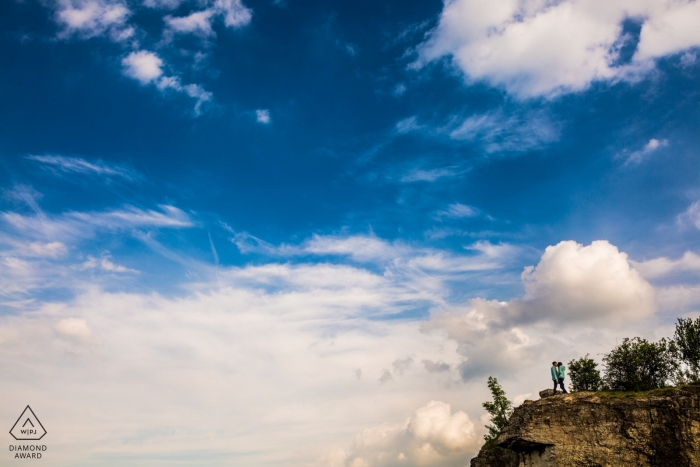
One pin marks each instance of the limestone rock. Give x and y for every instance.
(547, 393)
(587, 429)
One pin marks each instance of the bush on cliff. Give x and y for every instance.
(584, 374)
(639, 365)
(500, 410)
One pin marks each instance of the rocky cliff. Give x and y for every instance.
(655, 428)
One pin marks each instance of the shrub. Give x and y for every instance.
(687, 346)
(584, 374)
(500, 410)
(639, 365)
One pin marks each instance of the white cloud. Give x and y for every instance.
(652, 146)
(235, 13)
(691, 215)
(198, 22)
(432, 437)
(143, 66)
(458, 211)
(430, 175)
(82, 166)
(573, 282)
(74, 328)
(263, 116)
(166, 4)
(90, 18)
(520, 398)
(146, 67)
(105, 264)
(573, 286)
(51, 250)
(498, 132)
(658, 267)
(84, 224)
(541, 48)
(408, 125)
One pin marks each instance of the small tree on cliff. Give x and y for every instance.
(639, 365)
(687, 347)
(584, 374)
(500, 410)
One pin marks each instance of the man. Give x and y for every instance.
(555, 375)
(562, 374)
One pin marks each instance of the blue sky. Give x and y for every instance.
(373, 203)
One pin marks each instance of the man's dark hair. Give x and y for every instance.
(558, 363)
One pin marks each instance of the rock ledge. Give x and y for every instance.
(588, 429)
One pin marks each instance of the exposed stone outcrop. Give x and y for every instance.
(656, 428)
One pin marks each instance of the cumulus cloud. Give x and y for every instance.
(146, 67)
(263, 116)
(198, 22)
(90, 18)
(432, 437)
(234, 13)
(572, 285)
(143, 66)
(573, 282)
(542, 48)
(488, 340)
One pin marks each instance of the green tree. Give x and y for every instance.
(584, 374)
(639, 365)
(687, 346)
(500, 410)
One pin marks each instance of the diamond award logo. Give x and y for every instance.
(28, 427)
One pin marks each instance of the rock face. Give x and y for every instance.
(656, 428)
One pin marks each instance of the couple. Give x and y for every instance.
(558, 373)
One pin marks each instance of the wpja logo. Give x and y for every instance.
(28, 428)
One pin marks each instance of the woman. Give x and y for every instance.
(561, 370)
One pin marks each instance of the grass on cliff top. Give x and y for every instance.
(645, 394)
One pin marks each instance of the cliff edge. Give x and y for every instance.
(599, 429)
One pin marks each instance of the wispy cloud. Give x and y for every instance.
(105, 263)
(430, 175)
(499, 131)
(64, 227)
(638, 156)
(658, 267)
(82, 166)
(457, 211)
